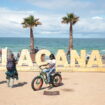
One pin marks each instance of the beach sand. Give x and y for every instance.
(78, 88)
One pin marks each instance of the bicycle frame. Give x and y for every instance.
(43, 75)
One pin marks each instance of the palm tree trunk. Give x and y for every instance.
(31, 40)
(71, 38)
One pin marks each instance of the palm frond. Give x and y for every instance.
(70, 18)
(65, 20)
(75, 20)
(31, 22)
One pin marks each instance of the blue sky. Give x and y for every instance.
(91, 23)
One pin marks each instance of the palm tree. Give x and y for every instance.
(31, 22)
(70, 19)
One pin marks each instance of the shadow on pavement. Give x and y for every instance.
(20, 84)
(68, 90)
(51, 87)
(2, 82)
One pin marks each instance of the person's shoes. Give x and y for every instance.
(50, 86)
(11, 86)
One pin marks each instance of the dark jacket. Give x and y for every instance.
(11, 72)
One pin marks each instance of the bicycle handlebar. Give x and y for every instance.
(40, 67)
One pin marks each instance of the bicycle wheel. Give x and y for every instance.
(37, 83)
(57, 79)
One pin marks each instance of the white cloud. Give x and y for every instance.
(12, 18)
(59, 4)
(97, 18)
(80, 7)
(91, 25)
(10, 23)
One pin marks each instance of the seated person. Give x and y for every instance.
(50, 66)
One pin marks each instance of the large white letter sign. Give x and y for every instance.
(61, 59)
(25, 58)
(95, 59)
(4, 56)
(38, 56)
(80, 59)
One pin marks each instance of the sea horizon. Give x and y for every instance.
(55, 37)
(16, 44)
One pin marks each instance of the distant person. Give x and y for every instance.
(36, 49)
(87, 59)
(18, 56)
(11, 73)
